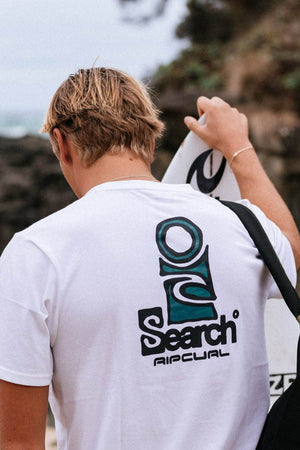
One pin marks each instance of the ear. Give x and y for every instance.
(65, 151)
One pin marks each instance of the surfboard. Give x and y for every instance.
(207, 171)
(204, 168)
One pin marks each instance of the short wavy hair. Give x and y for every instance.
(104, 110)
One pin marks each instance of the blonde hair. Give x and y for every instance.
(102, 110)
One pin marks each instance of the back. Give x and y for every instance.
(151, 298)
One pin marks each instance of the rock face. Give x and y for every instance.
(31, 184)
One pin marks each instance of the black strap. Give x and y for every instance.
(268, 254)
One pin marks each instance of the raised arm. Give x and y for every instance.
(23, 414)
(227, 130)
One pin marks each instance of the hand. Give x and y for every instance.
(226, 129)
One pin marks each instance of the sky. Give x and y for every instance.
(43, 41)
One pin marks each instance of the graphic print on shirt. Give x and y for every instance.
(190, 297)
(186, 298)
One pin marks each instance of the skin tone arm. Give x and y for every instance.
(227, 130)
(23, 414)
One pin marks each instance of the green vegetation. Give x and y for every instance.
(196, 66)
(255, 35)
(257, 39)
(291, 80)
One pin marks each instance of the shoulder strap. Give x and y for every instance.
(268, 254)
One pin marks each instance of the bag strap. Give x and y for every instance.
(268, 254)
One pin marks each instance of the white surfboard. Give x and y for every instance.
(207, 170)
(204, 168)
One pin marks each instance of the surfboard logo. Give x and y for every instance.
(206, 184)
(188, 282)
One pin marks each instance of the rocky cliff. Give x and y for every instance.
(31, 184)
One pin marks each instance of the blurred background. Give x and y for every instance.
(245, 51)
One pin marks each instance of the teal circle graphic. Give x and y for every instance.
(189, 227)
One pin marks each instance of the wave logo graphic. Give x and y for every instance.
(188, 283)
(206, 185)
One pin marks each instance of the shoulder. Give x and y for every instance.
(279, 241)
(39, 242)
(54, 220)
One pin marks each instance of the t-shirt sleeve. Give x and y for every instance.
(26, 282)
(281, 246)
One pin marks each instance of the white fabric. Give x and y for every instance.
(71, 287)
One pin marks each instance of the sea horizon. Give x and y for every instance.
(19, 123)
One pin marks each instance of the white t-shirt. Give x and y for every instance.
(142, 304)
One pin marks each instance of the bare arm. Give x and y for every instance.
(23, 414)
(227, 130)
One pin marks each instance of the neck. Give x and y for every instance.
(112, 167)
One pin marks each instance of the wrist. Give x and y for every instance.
(238, 153)
(246, 165)
(229, 148)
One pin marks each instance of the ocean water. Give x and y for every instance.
(20, 123)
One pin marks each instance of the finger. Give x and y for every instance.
(219, 101)
(194, 126)
(203, 105)
(190, 122)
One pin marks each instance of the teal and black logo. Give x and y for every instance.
(188, 283)
(184, 267)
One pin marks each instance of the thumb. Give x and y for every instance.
(194, 126)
